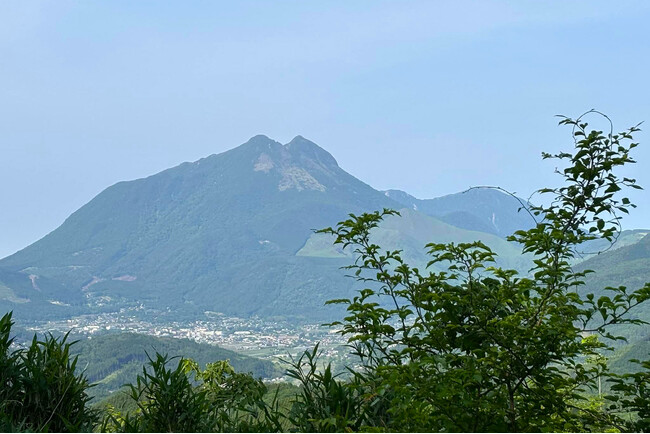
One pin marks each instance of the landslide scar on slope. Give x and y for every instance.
(264, 164)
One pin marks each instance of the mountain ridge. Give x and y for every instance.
(473, 209)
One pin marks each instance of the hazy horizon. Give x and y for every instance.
(431, 98)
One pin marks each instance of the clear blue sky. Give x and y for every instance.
(430, 97)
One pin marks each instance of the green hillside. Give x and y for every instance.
(620, 361)
(31, 296)
(113, 360)
(597, 247)
(626, 266)
(411, 231)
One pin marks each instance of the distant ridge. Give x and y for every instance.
(481, 209)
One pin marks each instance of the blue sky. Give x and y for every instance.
(430, 97)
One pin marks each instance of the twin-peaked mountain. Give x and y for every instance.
(233, 233)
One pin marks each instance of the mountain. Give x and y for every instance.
(231, 233)
(480, 209)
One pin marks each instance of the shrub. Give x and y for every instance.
(41, 390)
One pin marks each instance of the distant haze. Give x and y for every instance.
(426, 97)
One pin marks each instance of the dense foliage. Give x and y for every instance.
(188, 399)
(40, 389)
(480, 348)
(461, 345)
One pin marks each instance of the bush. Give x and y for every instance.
(188, 399)
(41, 390)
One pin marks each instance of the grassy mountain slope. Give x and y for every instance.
(410, 232)
(628, 266)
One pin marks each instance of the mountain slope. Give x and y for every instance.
(226, 233)
(627, 266)
(410, 232)
(480, 209)
(597, 247)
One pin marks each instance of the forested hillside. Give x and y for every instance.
(112, 360)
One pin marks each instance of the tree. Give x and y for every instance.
(480, 348)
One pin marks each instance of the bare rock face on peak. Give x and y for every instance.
(230, 233)
(301, 164)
